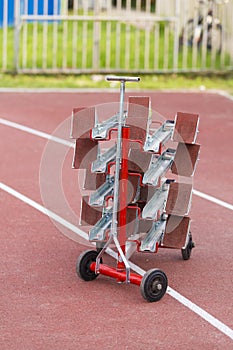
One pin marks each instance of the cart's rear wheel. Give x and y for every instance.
(83, 265)
(153, 285)
(186, 252)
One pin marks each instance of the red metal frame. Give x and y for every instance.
(119, 275)
(123, 190)
(119, 272)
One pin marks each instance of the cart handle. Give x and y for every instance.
(122, 78)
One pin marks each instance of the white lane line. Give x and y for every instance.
(42, 134)
(202, 313)
(213, 199)
(180, 298)
(43, 210)
(71, 144)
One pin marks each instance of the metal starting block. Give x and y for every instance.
(98, 197)
(101, 163)
(156, 203)
(158, 167)
(160, 137)
(151, 242)
(98, 232)
(101, 130)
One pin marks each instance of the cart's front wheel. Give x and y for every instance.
(186, 252)
(83, 265)
(153, 285)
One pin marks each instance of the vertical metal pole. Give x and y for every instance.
(25, 36)
(195, 43)
(118, 160)
(108, 40)
(5, 33)
(65, 40)
(184, 25)
(231, 34)
(35, 35)
(96, 38)
(74, 33)
(55, 36)
(45, 36)
(16, 34)
(147, 48)
(84, 37)
(114, 224)
(176, 37)
(156, 45)
(204, 39)
(166, 46)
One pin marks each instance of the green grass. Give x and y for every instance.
(138, 39)
(154, 82)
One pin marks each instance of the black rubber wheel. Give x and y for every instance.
(186, 252)
(153, 285)
(83, 265)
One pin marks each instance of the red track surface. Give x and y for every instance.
(45, 306)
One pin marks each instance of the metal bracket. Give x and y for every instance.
(100, 164)
(101, 130)
(158, 167)
(98, 197)
(160, 136)
(97, 233)
(154, 236)
(156, 203)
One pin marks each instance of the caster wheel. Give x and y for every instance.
(186, 252)
(83, 265)
(153, 285)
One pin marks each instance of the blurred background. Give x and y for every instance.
(116, 36)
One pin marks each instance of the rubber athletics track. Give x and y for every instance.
(44, 305)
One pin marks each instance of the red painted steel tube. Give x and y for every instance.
(123, 191)
(119, 275)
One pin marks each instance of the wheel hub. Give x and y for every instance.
(156, 286)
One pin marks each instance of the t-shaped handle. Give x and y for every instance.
(122, 79)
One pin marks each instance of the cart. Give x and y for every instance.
(133, 206)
